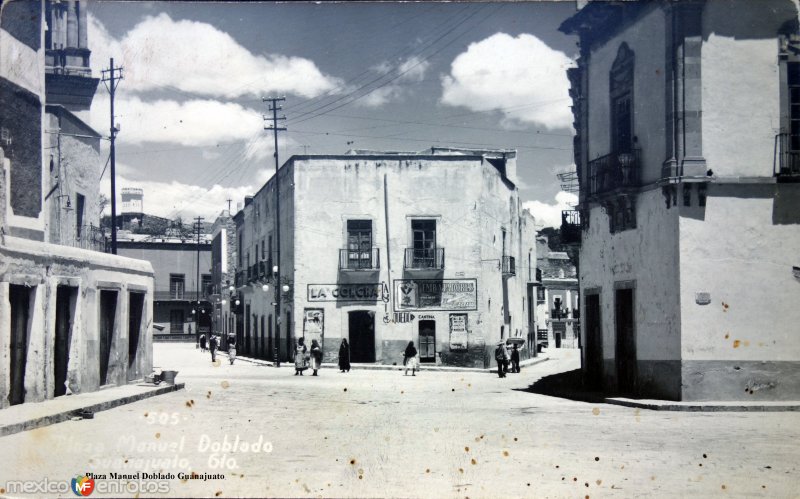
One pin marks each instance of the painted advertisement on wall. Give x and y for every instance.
(313, 325)
(436, 294)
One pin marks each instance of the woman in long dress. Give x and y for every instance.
(410, 359)
(316, 356)
(300, 363)
(344, 356)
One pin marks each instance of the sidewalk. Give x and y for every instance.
(707, 406)
(382, 367)
(25, 417)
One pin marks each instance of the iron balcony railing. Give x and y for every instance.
(424, 259)
(90, 237)
(179, 295)
(570, 226)
(559, 313)
(614, 171)
(362, 259)
(786, 159)
(509, 266)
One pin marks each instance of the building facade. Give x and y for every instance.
(557, 298)
(387, 248)
(689, 201)
(182, 304)
(71, 319)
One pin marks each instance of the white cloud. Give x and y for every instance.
(411, 70)
(198, 58)
(520, 75)
(171, 199)
(550, 214)
(189, 123)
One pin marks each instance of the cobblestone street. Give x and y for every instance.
(378, 433)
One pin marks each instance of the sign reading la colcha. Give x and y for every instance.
(369, 292)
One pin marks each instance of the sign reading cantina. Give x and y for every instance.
(436, 294)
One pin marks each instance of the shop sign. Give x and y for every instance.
(403, 317)
(313, 324)
(458, 331)
(345, 292)
(436, 294)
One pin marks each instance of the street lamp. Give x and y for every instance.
(265, 288)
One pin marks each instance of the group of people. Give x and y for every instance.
(303, 357)
(502, 356)
(212, 344)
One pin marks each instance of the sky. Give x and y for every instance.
(386, 76)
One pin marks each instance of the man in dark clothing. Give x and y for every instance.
(515, 359)
(212, 345)
(501, 356)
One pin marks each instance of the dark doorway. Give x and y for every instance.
(427, 341)
(594, 342)
(247, 326)
(626, 343)
(20, 300)
(135, 313)
(362, 336)
(557, 337)
(263, 340)
(271, 350)
(108, 317)
(289, 343)
(63, 339)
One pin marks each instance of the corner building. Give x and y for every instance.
(386, 248)
(687, 150)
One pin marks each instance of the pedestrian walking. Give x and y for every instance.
(344, 356)
(515, 359)
(231, 347)
(410, 359)
(501, 356)
(316, 357)
(203, 343)
(212, 345)
(300, 359)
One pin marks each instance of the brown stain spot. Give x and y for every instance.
(469, 385)
(598, 482)
(746, 343)
(596, 458)
(360, 477)
(574, 479)
(427, 470)
(219, 492)
(505, 453)
(705, 456)
(596, 411)
(653, 477)
(345, 389)
(736, 343)
(452, 389)
(701, 465)
(126, 461)
(158, 435)
(557, 466)
(725, 307)
(724, 487)
(461, 470)
(586, 484)
(353, 461)
(516, 439)
(225, 384)
(466, 449)
(763, 486)
(146, 414)
(2, 490)
(727, 335)
(474, 461)
(208, 395)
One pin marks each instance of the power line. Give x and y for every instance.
(111, 78)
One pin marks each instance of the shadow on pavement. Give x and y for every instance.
(568, 385)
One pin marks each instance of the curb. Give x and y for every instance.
(707, 407)
(59, 417)
(384, 367)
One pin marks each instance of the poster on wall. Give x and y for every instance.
(458, 331)
(313, 324)
(436, 294)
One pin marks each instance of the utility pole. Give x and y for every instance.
(229, 205)
(199, 221)
(111, 80)
(274, 107)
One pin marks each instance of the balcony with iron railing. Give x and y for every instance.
(614, 171)
(180, 295)
(364, 260)
(509, 266)
(571, 227)
(89, 237)
(424, 259)
(786, 158)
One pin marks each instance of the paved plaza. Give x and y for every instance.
(382, 434)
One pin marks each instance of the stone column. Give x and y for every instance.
(82, 9)
(72, 25)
